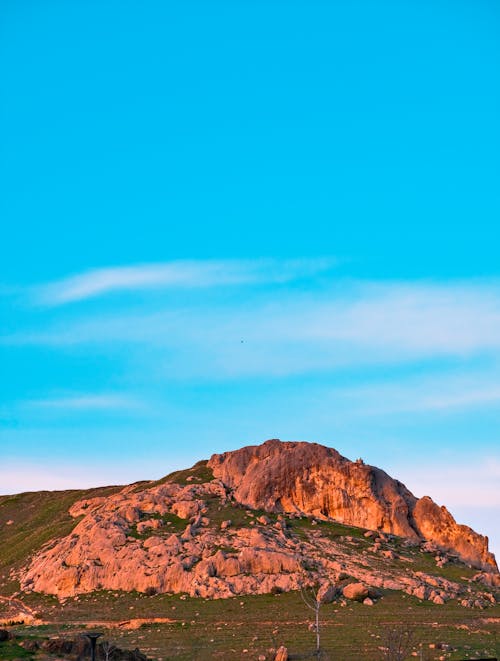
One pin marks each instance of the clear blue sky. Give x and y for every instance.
(229, 221)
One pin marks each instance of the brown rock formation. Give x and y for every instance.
(177, 537)
(310, 478)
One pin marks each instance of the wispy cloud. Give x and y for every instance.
(189, 274)
(87, 402)
(354, 323)
(290, 332)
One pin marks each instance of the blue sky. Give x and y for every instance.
(230, 221)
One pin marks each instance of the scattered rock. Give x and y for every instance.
(150, 524)
(421, 592)
(327, 593)
(186, 509)
(355, 591)
(281, 654)
(490, 579)
(438, 599)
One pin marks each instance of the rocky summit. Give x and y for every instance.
(307, 478)
(262, 519)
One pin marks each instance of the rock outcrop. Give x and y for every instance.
(312, 479)
(198, 533)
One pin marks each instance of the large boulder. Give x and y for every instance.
(355, 591)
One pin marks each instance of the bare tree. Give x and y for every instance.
(108, 650)
(312, 598)
(397, 643)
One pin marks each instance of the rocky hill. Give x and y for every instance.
(263, 519)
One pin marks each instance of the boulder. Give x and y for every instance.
(186, 509)
(281, 654)
(355, 591)
(327, 593)
(489, 579)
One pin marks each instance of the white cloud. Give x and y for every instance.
(291, 333)
(89, 401)
(202, 273)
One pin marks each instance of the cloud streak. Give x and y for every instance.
(178, 274)
(290, 333)
(87, 402)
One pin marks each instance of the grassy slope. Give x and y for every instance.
(37, 517)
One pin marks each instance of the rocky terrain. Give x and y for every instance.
(264, 519)
(312, 479)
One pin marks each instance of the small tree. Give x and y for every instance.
(312, 598)
(397, 643)
(108, 650)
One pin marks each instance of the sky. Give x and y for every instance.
(224, 222)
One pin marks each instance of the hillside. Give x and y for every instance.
(263, 520)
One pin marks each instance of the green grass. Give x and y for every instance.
(330, 529)
(11, 650)
(222, 629)
(197, 474)
(453, 571)
(171, 523)
(237, 514)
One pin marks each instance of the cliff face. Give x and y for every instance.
(312, 479)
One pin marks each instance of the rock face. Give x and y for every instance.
(310, 478)
(198, 533)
